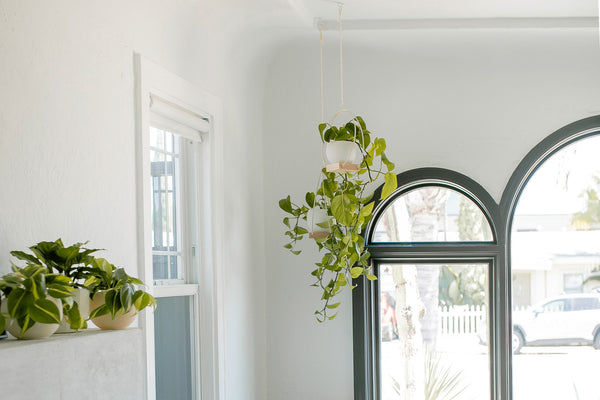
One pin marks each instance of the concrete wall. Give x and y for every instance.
(474, 101)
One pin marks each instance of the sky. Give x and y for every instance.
(556, 187)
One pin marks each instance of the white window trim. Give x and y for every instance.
(152, 79)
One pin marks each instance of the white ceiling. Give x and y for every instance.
(445, 9)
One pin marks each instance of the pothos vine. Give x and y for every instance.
(344, 196)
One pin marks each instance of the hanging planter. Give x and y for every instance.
(353, 163)
(342, 156)
(345, 200)
(319, 223)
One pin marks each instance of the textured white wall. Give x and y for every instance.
(471, 101)
(92, 365)
(67, 138)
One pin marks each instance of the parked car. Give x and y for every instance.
(571, 319)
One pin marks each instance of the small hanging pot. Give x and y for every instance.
(342, 156)
(316, 218)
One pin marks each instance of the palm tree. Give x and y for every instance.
(424, 208)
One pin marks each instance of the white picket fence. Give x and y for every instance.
(460, 320)
(463, 320)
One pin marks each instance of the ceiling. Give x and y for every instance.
(443, 9)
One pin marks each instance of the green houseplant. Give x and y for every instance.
(31, 305)
(343, 194)
(115, 298)
(72, 262)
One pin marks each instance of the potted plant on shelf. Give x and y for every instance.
(72, 262)
(343, 195)
(31, 306)
(115, 300)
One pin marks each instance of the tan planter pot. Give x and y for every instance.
(82, 297)
(106, 322)
(37, 331)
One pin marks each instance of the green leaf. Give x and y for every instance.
(73, 316)
(126, 297)
(59, 291)
(310, 199)
(371, 277)
(343, 207)
(356, 272)
(25, 257)
(286, 222)
(18, 303)
(341, 281)
(321, 129)
(330, 186)
(100, 311)
(286, 205)
(333, 306)
(298, 230)
(2, 323)
(391, 184)
(44, 311)
(296, 252)
(389, 165)
(142, 300)
(25, 323)
(366, 211)
(111, 302)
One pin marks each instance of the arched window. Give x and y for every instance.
(554, 237)
(435, 250)
(490, 298)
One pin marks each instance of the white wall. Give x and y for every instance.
(471, 101)
(67, 138)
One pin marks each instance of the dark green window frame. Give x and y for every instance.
(365, 298)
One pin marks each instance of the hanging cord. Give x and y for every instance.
(321, 61)
(340, 6)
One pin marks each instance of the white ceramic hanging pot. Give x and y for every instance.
(106, 322)
(314, 217)
(342, 152)
(38, 330)
(82, 297)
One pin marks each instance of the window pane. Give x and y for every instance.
(432, 214)
(555, 250)
(173, 342)
(165, 186)
(433, 335)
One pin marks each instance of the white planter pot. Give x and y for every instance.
(82, 297)
(342, 152)
(37, 331)
(106, 322)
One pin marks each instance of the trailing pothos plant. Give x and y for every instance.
(72, 262)
(120, 292)
(28, 292)
(346, 198)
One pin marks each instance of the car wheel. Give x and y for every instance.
(517, 342)
(596, 343)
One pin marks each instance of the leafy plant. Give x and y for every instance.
(27, 292)
(67, 261)
(441, 381)
(119, 289)
(72, 262)
(344, 196)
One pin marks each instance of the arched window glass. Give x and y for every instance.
(423, 326)
(432, 214)
(555, 262)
